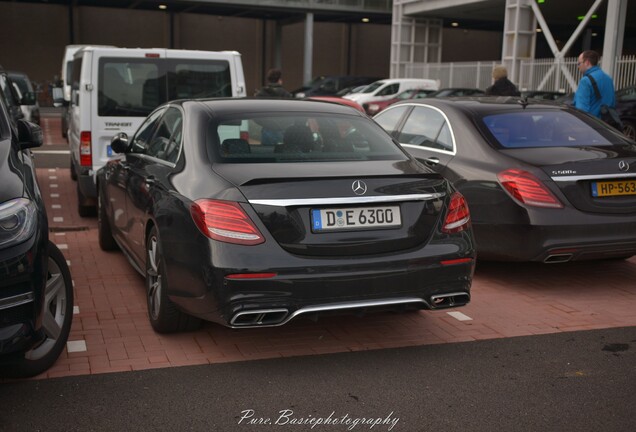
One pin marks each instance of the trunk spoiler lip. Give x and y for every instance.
(346, 200)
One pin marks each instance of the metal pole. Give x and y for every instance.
(309, 47)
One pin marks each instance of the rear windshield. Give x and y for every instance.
(545, 129)
(292, 137)
(135, 87)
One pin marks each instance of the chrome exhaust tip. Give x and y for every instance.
(441, 301)
(262, 317)
(558, 258)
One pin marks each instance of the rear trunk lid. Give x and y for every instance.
(312, 209)
(593, 179)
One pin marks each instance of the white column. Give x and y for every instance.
(614, 33)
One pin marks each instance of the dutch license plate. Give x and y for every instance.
(355, 218)
(614, 188)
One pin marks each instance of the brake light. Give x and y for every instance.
(86, 156)
(152, 55)
(225, 221)
(458, 216)
(528, 189)
(251, 276)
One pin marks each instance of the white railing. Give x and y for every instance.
(537, 74)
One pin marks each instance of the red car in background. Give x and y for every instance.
(338, 100)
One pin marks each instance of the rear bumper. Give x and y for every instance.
(555, 243)
(325, 286)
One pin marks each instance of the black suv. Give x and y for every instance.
(36, 292)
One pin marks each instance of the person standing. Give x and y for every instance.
(586, 97)
(274, 87)
(502, 85)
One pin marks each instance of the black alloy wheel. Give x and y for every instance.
(162, 312)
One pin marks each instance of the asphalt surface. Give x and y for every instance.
(580, 381)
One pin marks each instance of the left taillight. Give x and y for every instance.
(85, 149)
(528, 189)
(458, 216)
(225, 221)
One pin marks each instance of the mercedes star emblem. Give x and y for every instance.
(359, 187)
(623, 166)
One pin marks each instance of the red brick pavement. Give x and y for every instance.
(508, 300)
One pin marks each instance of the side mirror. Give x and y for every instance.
(119, 143)
(58, 96)
(29, 135)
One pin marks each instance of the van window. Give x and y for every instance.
(200, 80)
(76, 73)
(128, 87)
(134, 87)
(389, 90)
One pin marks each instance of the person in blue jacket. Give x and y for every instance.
(585, 97)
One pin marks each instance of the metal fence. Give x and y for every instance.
(537, 74)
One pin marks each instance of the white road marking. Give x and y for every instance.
(55, 195)
(76, 346)
(75, 310)
(62, 246)
(460, 316)
(58, 219)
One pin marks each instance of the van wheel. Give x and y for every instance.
(104, 233)
(57, 318)
(73, 172)
(162, 312)
(83, 209)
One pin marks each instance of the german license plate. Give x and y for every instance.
(614, 188)
(355, 218)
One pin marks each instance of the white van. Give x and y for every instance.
(114, 89)
(389, 88)
(65, 81)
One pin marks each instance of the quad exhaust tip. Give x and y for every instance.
(558, 258)
(279, 316)
(449, 300)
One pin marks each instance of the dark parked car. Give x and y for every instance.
(10, 96)
(543, 95)
(456, 92)
(335, 217)
(331, 85)
(28, 98)
(544, 182)
(626, 108)
(36, 293)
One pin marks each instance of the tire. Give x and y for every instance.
(83, 209)
(162, 312)
(57, 319)
(629, 129)
(73, 172)
(104, 233)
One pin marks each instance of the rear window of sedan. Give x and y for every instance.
(294, 137)
(552, 128)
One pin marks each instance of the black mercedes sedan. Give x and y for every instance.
(544, 183)
(251, 212)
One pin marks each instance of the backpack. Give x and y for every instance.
(608, 114)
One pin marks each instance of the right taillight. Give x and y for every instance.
(528, 189)
(86, 156)
(225, 221)
(458, 216)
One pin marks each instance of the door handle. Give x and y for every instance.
(150, 180)
(431, 161)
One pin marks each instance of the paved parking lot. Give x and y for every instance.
(111, 331)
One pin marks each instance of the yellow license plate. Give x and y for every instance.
(614, 188)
